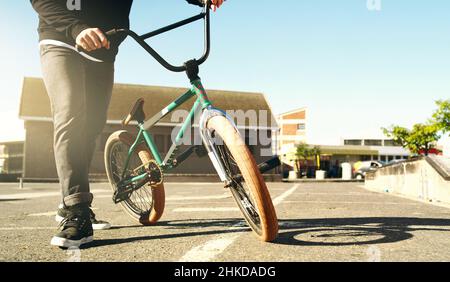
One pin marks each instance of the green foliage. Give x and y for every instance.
(442, 115)
(398, 134)
(315, 151)
(303, 151)
(421, 138)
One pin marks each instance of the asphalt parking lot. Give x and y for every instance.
(318, 222)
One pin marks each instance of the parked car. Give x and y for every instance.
(361, 168)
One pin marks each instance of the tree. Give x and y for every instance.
(315, 151)
(303, 153)
(442, 115)
(421, 138)
(398, 134)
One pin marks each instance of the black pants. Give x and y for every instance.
(79, 91)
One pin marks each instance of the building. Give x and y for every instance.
(11, 157)
(292, 130)
(386, 149)
(351, 150)
(11, 160)
(35, 111)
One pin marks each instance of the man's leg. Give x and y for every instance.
(65, 80)
(64, 76)
(99, 86)
(99, 79)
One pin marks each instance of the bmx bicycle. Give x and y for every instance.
(135, 167)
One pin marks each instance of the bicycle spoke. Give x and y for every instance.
(140, 201)
(245, 200)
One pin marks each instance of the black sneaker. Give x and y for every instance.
(96, 224)
(76, 228)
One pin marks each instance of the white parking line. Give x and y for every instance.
(29, 195)
(278, 200)
(212, 248)
(221, 209)
(53, 213)
(214, 197)
(35, 195)
(25, 228)
(346, 202)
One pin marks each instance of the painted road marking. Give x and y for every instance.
(51, 213)
(214, 197)
(344, 202)
(25, 228)
(35, 195)
(220, 209)
(278, 200)
(212, 248)
(25, 196)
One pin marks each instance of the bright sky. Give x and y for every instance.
(355, 69)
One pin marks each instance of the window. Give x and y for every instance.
(353, 142)
(372, 142)
(389, 143)
(301, 126)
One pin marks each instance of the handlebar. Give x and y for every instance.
(140, 39)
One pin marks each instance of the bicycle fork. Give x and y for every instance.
(217, 162)
(208, 140)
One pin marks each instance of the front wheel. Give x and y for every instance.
(145, 205)
(249, 191)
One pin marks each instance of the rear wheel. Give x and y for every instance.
(145, 205)
(250, 191)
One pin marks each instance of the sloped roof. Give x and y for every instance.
(35, 104)
(303, 109)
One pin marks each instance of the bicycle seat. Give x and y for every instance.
(136, 113)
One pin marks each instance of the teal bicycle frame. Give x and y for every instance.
(144, 136)
(202, 101)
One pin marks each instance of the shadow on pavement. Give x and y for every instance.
(355, 231)
(301, 232)
(174, 225)
(12, 200)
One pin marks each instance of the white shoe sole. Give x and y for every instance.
(102, 226)
(66, 243)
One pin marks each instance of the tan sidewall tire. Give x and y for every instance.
(251, 174)
(158, 193)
